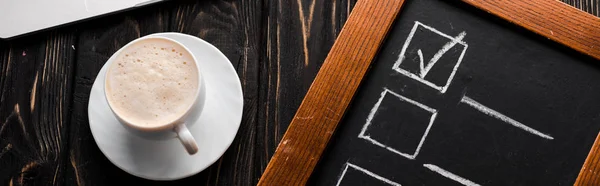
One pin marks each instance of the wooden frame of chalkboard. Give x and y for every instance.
(357, 45)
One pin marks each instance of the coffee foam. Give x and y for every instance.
(152, 82)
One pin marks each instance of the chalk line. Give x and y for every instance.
(438, 32)
(420, 105)
(462, 55)
(402, 98)
(500, 116)
(406, 43)
(441, 52)
(424, 69)
(419, 79)
(367, 172)
(450, 175)
(422, 72)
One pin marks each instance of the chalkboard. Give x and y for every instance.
(450, 63)
(457, 96)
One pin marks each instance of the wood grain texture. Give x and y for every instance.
(232, 26)
(331, 92)
(590, 171)
(285, 75)
(589, 6)
(239, 29)
(236, 29)
(98, 40)
(552, 19)
(34, 91)
(276, 46)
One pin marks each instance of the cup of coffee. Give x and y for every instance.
(154, 87)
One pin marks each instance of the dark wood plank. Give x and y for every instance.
(331, 92)
(232, 26)
(235, 28)
(590, 6)
(4, 54)
(288, 70)
(97, 41)
(552, 19)
(35, 96)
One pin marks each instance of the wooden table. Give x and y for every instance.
(276, 47)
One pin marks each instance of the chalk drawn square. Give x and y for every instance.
(430, 56)
(406, 133)
(355, 175)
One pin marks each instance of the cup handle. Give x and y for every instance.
(186, 138)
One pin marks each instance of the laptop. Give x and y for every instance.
(19, 17)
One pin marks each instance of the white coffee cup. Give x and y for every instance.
(178, 126)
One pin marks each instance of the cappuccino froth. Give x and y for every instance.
(152, 82)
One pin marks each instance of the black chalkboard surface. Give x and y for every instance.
(459, 97)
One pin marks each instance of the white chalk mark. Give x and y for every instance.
(500, 116)
(421, 66)
(402, 98)
(460, 58)
(367, 172)
(425, 69)
(438, 32)
(442, 51)
(450, 175)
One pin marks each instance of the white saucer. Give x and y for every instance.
(167, 159)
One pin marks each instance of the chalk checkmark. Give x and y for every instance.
(425, 69)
